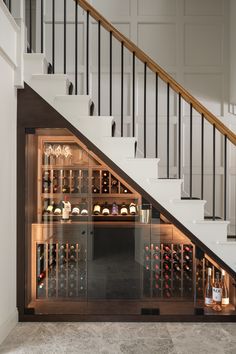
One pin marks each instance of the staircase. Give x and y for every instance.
(147, 172)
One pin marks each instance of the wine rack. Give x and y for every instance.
(168, 270)
(82, 179)
(61, 270)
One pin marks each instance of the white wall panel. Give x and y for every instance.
(203, 7)
(157, 7)
(111, 8)
(159, 41)
(203, 44)
(207, 88)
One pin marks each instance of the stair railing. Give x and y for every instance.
(212, 174)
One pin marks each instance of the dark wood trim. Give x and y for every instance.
(34, 112)
(126, 318)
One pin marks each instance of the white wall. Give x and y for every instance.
(10, 78)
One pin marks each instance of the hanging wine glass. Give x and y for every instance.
(48, 152)
(57, 151)
(66, 152)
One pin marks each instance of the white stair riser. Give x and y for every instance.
(34, 64)
(93, 128)
(164, 190)
(73, 106)
(210, 232)
(186, 210)
(141, 169)
(49, 86)
(117, 148)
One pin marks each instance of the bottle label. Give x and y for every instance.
(208, 301)
(225, 301)
(132, 209)
(97, 209)
(217, 294)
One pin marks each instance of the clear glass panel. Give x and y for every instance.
(95, 246)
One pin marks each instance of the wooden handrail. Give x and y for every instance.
(153, 66)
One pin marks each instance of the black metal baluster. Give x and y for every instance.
(214, 174)
(191, 153)
(87, 54)
(99, 68)
(64, 36)
(76, 48)
(110, 73)
(42, 25)
(122, 88)
(156, 117)
(225, 177)
(53, 36)
(133, 101)
(179, 133)
(145, 111)
(10, 5)
(168, 131)
(30, 25)
(202, 157)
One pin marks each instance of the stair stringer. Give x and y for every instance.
(199, 231)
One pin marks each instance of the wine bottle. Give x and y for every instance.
(97, 209)
(84, 208)
(115, 209)
(208, 289)
(95, 190)
(166, 276)
(156, 256)
(166, 266)
(50, 207)
(167, 248)
(105, 181)
(217, 293)
(66, 209)
(132, 208)
(186, 267)
(105, 210)
(156, 266)
(177, 267)
(123, 210)
(114, 182)
(105, 190)
(186, 257)
(176, 257)
(166, 257)
(187, 249)
(225, 292)
(105, 174)
(46, 182)
(75, 211)
(156, 248)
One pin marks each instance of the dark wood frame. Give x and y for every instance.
(34, 112)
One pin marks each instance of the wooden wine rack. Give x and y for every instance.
(82, 175)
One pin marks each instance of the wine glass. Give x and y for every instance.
(66, 152)
(57, 151)
(48, 151)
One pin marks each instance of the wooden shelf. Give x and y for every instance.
(90, 195)
(99, 218)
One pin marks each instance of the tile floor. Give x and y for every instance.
(130, 338)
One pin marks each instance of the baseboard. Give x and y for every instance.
(8, 325)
